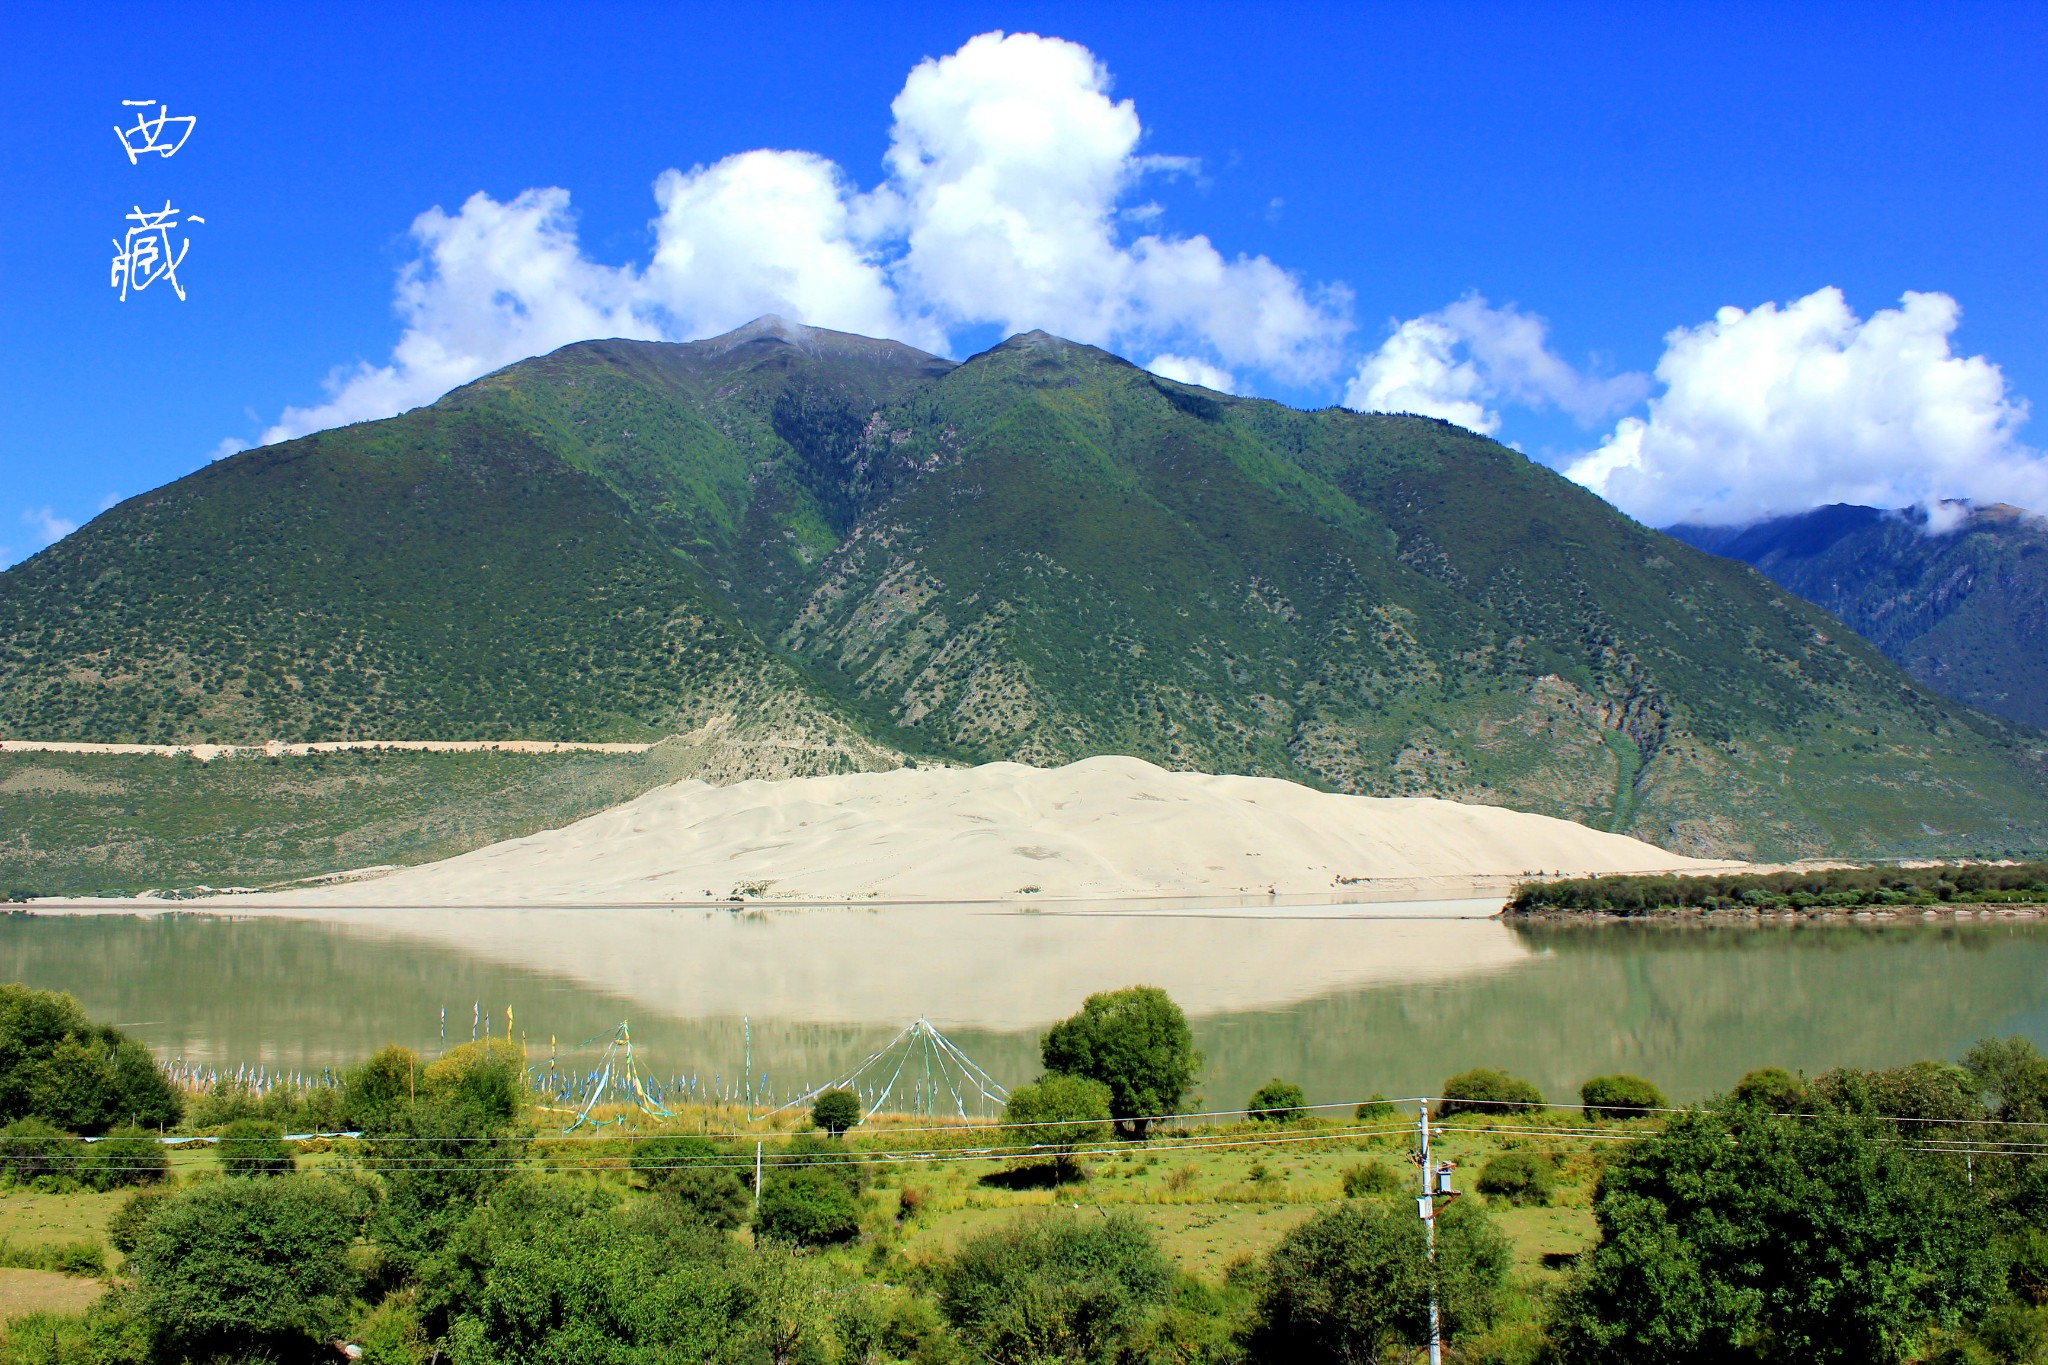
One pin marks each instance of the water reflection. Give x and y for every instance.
(1344, 1004)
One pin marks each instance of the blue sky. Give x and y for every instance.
(1502, 214)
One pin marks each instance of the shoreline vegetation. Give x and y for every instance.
(1894, 1216)
(2016, 890)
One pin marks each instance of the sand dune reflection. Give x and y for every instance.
(959, 966)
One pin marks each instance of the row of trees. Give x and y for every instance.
(1846, 888)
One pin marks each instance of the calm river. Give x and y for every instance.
(1345, 1000)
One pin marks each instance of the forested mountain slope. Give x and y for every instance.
(1042, 553)
(1964, 610)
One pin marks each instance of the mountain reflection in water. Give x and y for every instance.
(1346, 1000)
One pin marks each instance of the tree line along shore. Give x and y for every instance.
(2014, 887)
(1895, 1215)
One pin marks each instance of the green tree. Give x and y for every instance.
(704, 1182)
(1619, 1097)
(1055, 1289)
(1771, 1088)
(2010, 1079)
(835, 1111)
(807, 1206)
(126, 1156)
(1352, 1285)
(248, 1268)
(31, 1149)
(551, 1272)
(1055, 1116)
(1486, 1090)
(1277, 1101)
(1738, 1233)
(57, 1065)
(1137, 1042)
(124, 1229)
(255, 1147)
(1516, 1178)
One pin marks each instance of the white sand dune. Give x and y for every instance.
(1102, 828)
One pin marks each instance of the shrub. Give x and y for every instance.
(127, 1156)
(255, 1147)
(58, 1066)
(1354, 1283)
(1055, 1116)
(1055, 1288)
(31, 1150)
(85, 1258)
(1516, 1178)
(1277, 1101)
(1734, 1226)
(808, 1207)
(1773, 1089)
(703, 1182)
(1137, 1042)
(1485, 1090)
(1378, 1107)
(124, 1229)
(1619, 1097)
(1372, 1180)
(835, 1111)
(246, 1268)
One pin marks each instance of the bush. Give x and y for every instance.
(47, 1339)
(1772, 1089)
(58, 1066)
(1516, 1178)
(84, 1258)
(1277, 1101)
(255, 1147)
(1137, 1042)
(1372, 1180)
(809, 1208)
(1354, 1283)
(1619, 1097)
(835, 1111)
(1823, 1237)
(248, 1268)
(703, 1182)
(1055, 1288)
(32, 1150)
(124, 1229)
(127, 1156)
(1485, 1090)
(1378, 1107)
(552, 1270)
(1056, 1115)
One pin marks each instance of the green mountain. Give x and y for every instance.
(1039, 554)
(1963, 609)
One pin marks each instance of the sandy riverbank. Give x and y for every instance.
(1104, 828)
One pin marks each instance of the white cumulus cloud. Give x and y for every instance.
(1007, 199)
(1462, 362)
(1190, 370)
(1776, 410)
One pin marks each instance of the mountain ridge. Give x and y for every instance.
(1040, 553)
(1962, 607)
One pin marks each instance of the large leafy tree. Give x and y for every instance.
(1137, 1042)
(57, 1065)
(1054, 1116)
(1056, 1289)
(1742, 1234)
(248, 1269)
(1352, 1285)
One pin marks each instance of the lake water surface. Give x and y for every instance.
(1347, 1000)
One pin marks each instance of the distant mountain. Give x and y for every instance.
(1963, 608)
(1042, 553)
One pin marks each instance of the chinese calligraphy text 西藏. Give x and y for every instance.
(147, 136)
(145, 255)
